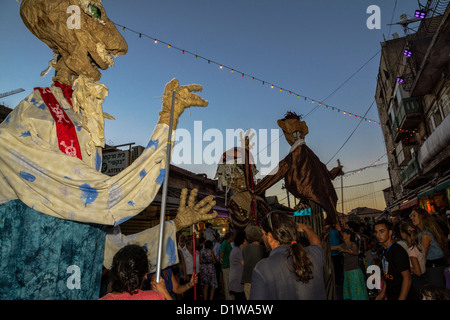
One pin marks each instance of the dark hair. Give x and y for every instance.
(435, 292)
(351, 233)
(239, 238)
(387, 223)
(292, 115)
(208, 244)
(253, 233)
(284, 230)
(129, 266)
(228, 236)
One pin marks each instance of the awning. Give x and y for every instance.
(221, 212)
(409, 204)
(439, 187)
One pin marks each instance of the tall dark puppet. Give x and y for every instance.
(308, 180)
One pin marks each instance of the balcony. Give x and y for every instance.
(407, 117)
(409, 113)
(410, 171)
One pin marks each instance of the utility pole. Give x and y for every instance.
(342, 188)
(287, 194)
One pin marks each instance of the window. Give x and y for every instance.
(437, 116)
(445, 103)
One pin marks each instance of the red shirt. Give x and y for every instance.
(139, 295)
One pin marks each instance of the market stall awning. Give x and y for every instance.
(409, 204)
(439, 187)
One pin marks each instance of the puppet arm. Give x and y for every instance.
(35, 171)
(276, 175)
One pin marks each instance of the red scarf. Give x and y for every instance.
(65, 129)
(67, 91)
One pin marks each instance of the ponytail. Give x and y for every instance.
(284, 230)
(302, 263)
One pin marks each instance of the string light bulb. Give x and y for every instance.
(406, 52)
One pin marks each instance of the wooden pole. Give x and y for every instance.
(164, 193)
(194, 272)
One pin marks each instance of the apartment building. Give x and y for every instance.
(413, 100)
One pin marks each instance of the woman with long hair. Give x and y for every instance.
(291, 271)
(128, 272)
(416, 253)
(354, 282)
(434, 243)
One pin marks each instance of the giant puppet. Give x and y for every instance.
(304, 175)
(55, 205)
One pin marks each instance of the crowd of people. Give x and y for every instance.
(269, 262)
(411, 252)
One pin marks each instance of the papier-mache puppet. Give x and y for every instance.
(55, 205)
(308, 180)
(236, 171)
(305, 176)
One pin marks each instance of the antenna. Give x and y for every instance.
(404, 22)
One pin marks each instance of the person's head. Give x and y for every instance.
(280, 229)
(182, 240)
(383, 232)
(432, 292)
(228, 236)
(239, 238)
(348, 235)
(426, 222)
(190, 245)
(208, 225)
(208, 244)
(253, 234)
(129, 267)
(419, 217)
(409, 233)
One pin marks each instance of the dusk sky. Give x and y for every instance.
(312, 52)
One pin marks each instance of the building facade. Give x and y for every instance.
(413, 100)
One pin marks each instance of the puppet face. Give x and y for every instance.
(79, 31)
(293, 129)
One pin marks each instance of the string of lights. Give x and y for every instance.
(242, 74)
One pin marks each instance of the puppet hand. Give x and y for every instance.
(193, 213)
(183, 99)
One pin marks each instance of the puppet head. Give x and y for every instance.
(80, 48)
(293, 128)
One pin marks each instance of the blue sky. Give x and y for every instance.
(308, 47)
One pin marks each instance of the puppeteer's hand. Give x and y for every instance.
(184, 98)
(193, 213)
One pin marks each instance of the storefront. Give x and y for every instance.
(436, 199)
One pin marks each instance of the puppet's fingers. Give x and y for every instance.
(208, 216)
(171, 86)
(183, 198)
(192, 87)
(205, 201)
(195, 100)
(205, 206)
(192, 196)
